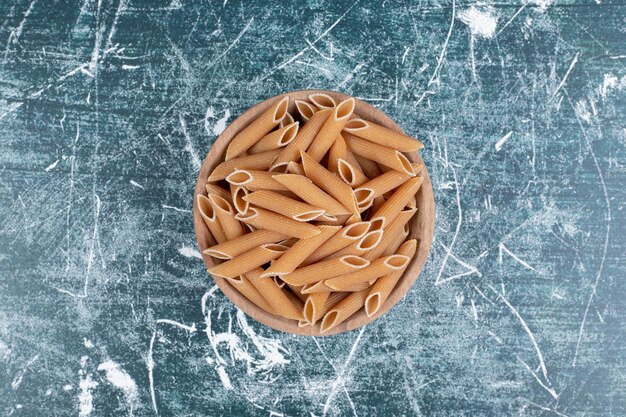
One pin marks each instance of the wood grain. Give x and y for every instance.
(421, 226)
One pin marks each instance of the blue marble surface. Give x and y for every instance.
(107, 108)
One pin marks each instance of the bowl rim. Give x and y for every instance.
(422, 225)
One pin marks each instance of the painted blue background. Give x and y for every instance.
(107, 108)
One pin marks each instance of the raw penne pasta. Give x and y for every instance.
(259, 161)
(326, 136)
(289, 242)
(281, 303)
(383, 286)
(207, 212)
(412, 203)
(286, 206)
(337, 151)
(226, 216)
(322, 101)
(325, 269)
(347, 235)
(231, 248)
(303, 139)
(333, 299)
(380, 185)
(297, 290)
(352, 159)
(328, 182)
(239, 202)
(391, 232)
(248, 261)
(255, 180)
(378, 268)
(376, 204)
(276, 139)
(257, 129)
(264, 219)
(403, 194)
(302, 249)
(287, 120)
(343, 310)
(363, 245)
(216, 189)
(378, 153)
(322, 287)
(306, 109)
(370, 168)
(245, 287)
(304, 188)
(279, 282)
(383, 136)
(313, 306)
(295, 168)
(350, 175)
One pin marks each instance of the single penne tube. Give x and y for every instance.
(330, 183)
(394, 205)
(289, 242)
(412, 203)
(255, 180)
(326, 136)
(276, 139)
(286, 206)
(392, 232)
(364, 206)
(207, 212)
(295, 168)
(349, 174)
(316, 287)
(297, 290)
(363, 245)
(337, 151)
(303, 139)
(325, 269)
(314, 305)
(369, 167)
(343, 310)
(378, 153)
(245, 287)
(264, 219)
(305, 189)
(259, 161)
(262, 125)
(377, 203)
(322, 100)
(383, 286)
(226, 216)
(376, 269)
(380, 185)
(381, 135)
(332, 220)
(239, 202)
(352, 160)
(376, 224)
(333, 299)
(302, 249)
(303, 323)
(347, 235)
(279, 282)
(247, 261)
(231, 248)
(281, 303)
(287, 120)
(306, 109)
(216, 189)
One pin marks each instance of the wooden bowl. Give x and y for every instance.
(422, 225)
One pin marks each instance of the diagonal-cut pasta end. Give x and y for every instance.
(346, 172)
(396, 262)
(309, 311)
(295, 168)
(406, 164)
(354, 262)
(355, 230)
(372, 304)
(205, 207)
(303, 323)
(313, 288)
(289, 134)
(306, 109)
(279, 282)
(219, 203)
(216, 254)
(275, 247)
(328, 217)
(344, 110)
(281, 109)
(308, 216)
(323, 101)
(235, 280)
(239, 177)
(286, 121)
(248, 215)
(370, 240)
(363, 195)
(279, 168)
(239, 200)
(377, 223)
(355, 125)
(329, 321)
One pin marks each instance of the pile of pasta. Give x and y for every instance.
(310, 217)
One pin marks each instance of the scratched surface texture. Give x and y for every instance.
(107, 108)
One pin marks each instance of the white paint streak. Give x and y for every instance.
(20, 375)
(220, 125)
(502, 140)
(569, 70)
(224, 377)
(188, 252)
(51, 166)
(136, 184)
(165, 206)
(120, 379)
(503, 248)
(195, 159)
(481, 22)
